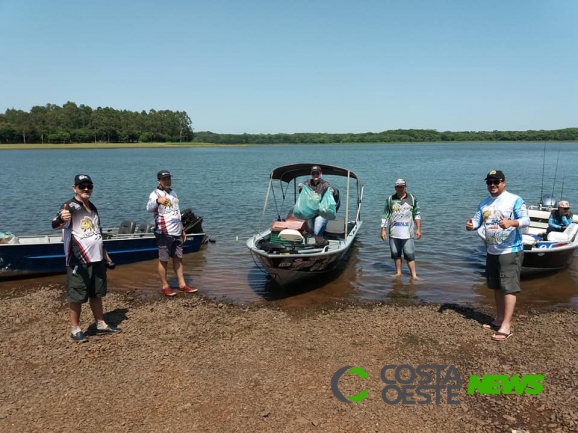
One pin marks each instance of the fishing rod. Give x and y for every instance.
(562, 190)
(555, 173)
(543, 169)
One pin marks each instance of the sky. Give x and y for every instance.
(266, 66)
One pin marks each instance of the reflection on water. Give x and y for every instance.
(225, 271)
(450, 261)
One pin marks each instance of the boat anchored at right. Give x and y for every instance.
(546, 253)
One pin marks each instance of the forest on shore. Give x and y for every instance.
(72, 123)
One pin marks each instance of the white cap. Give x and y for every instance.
(400, 182)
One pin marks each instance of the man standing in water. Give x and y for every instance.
(163, 201)
(503, 215)
(400, 213)
(86, 258)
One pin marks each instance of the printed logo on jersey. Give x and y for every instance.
(89, 229)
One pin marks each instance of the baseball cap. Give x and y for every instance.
(495, 174)
(163, 173)
(563, 203)
(400, 182)
(315, 168)
(79, 178)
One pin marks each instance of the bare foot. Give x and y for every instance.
(396, 276)
(415, 277)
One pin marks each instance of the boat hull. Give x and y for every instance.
(548, 260)
(290, 269)
(287, 268)
(29, 259)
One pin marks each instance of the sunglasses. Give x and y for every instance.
(493, 182)
(315, 173)
(564, 208)
(88, 186)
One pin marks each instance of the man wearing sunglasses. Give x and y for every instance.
(503, 214)
(560, 218)
(86, 258)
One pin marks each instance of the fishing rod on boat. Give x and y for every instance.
(543, 170)
(562, 190)
(555, 173)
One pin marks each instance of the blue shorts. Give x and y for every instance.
(318, 225)
(397, 246)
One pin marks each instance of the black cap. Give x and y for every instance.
(495, 174)
(315, 168)
(79, 178)
(163, 173)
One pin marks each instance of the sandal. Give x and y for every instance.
(501, 336)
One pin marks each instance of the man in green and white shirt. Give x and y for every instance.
(402, 220)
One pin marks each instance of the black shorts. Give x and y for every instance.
(503, 272)
(86, 281)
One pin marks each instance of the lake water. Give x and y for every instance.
(227, 187)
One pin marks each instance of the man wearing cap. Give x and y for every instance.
(560, 218)
(320, 186)
(86, 258)
(163, 201)
(502, 214)
(402, 219)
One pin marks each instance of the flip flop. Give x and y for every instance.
(501, 336)
(493, 326)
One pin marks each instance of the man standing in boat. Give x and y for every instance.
(400, 214)
(171, 236)
(320, 186)
(86, 258)
(503, 214)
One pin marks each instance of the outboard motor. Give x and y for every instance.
(547, 202)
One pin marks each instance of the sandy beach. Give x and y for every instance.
(193, 364)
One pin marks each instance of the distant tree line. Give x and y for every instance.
(82, 124)
(392, 136)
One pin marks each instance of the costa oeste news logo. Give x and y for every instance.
(429, 383)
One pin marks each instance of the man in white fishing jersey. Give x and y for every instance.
(163, 201)
(503, 215)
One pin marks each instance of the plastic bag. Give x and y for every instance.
(327, 206)
(307, 204)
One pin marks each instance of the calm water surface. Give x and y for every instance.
(227, 187)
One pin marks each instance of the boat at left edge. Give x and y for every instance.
(30, 256)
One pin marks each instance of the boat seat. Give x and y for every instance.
(566, 236)
(572, 231)
(290, 223)
(535, 231)
(143, 228)
(538, 225)
(529, 240)
(291, 235)
(336, 227)
(127, 227)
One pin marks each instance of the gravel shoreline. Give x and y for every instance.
(193, 364)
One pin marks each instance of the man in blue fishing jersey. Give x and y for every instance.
(503, 214)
